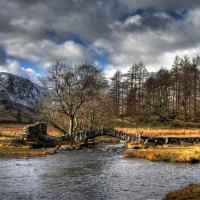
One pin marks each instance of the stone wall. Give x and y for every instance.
(34, 132)
(171, 140)
(83, 137)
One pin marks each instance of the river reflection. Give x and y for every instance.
(92, 175)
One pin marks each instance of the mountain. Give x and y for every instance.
(18, 97)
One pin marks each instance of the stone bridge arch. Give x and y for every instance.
(84, 137)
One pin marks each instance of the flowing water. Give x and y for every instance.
(84, 174)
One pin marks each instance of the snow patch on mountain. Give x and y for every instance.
(19, 90)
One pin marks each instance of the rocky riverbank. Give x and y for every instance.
(167, 153)
(14, 146)
(189, 192)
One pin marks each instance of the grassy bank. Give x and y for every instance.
(16, 129)
(14, 146)
(191, 192)
(13, 151)
(11, 129)
(158, 132)
(190, 154)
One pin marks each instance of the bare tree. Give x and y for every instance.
(195, 65)
(135, 96)
(67, 89)
(158, 93)
(115, 92)
(97, 113)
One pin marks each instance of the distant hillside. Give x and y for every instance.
(19, 98)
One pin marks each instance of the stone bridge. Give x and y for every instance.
(84, 137)
(38, 133)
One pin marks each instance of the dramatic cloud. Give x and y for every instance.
(114, 33)
(178, 5)
(13, 67)
(2, 56)
(142, 38)
(47, 51)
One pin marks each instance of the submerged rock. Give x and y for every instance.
(65, 147)
(186, 144)
(108, 149)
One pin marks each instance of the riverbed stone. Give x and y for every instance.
(108, 149)
(65, 147)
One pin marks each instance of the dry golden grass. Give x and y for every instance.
(135, 145)
(191, 192)
(162, 132)
(16, 129)
(182, 154)
(6, 138)
(10, 151)
(11, 129)
(13, 146)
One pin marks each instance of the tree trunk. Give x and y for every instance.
(195, 93)
(71, 124)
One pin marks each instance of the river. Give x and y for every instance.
(91, 175)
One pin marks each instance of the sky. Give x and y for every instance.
(113, 34)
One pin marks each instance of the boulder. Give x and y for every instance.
(65, 147)
(108, 149)
(135, 145)
(149, 144)
(186, 144)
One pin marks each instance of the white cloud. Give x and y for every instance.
(111, 69)
(13, 67)
(136, 19)
(154, 47)
(103, 46)
(46, 52)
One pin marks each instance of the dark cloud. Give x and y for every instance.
(43, 30)
(156, 22)
(152, 22)
(2, 56)
(87, 19)
(159, 4)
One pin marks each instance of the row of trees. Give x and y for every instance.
(80, 97)
(167, 94)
